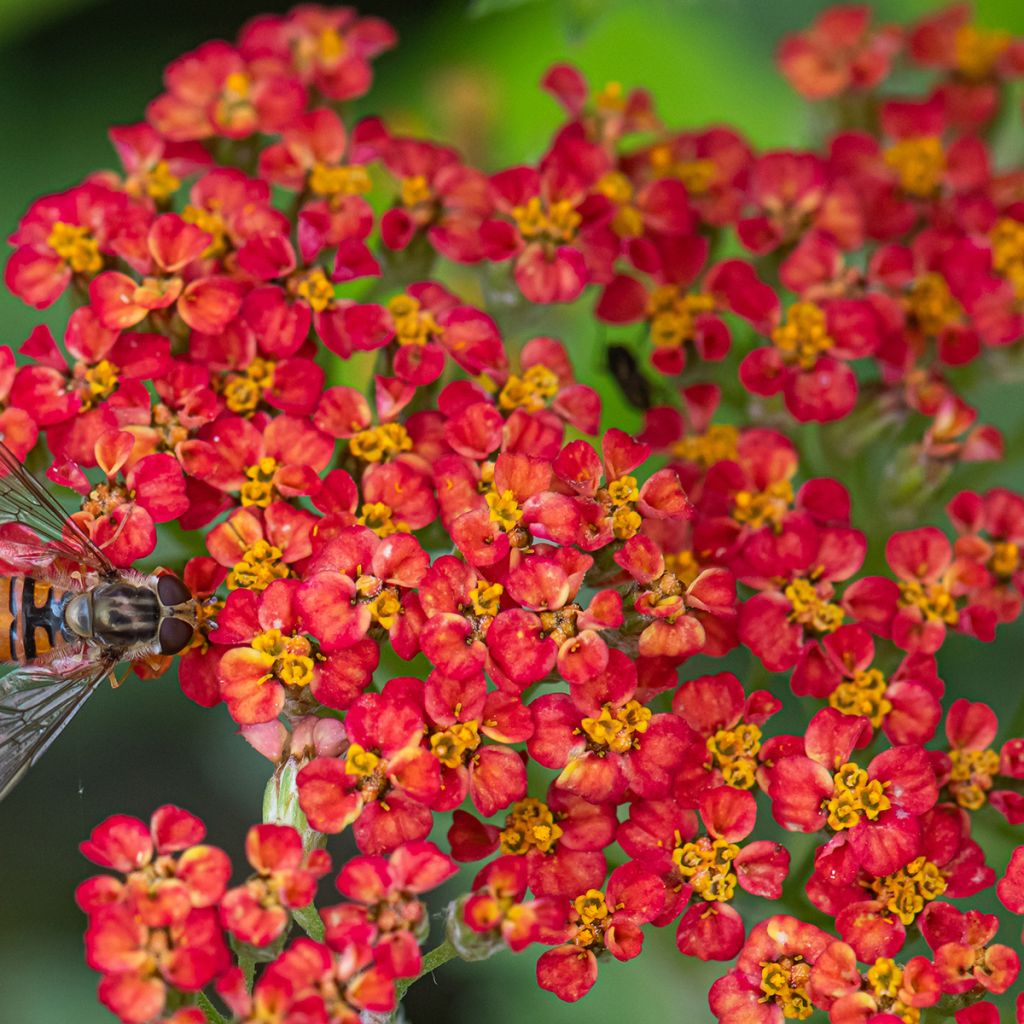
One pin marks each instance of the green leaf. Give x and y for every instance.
(212, 1016)
(309, 921)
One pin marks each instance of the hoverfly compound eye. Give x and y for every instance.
(172, 591)
(175, 635)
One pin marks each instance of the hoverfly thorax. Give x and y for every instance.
(65, 629)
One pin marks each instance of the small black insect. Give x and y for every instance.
(635, 387)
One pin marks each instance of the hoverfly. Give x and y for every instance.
(68, 616)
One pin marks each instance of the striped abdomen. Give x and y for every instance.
(31, 618)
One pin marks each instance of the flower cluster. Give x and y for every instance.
(451, 499)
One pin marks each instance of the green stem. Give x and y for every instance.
(437, 957)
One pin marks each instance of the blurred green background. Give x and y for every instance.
(71, 68)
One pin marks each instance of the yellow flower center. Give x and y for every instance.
(386, 607)
(623, 491)
(378, 444)
(414, 325)
(735, 752)
(486, 598)
(763, 508)
(213, 224)
(810, 609)
(627, 221)
(505, 510)
(348, 180)
(258, 490)
(258, 567)
(452, 745)
(557, 222)
(316, 290)
(158, 183)
(934, 600)
(76, 247)
(378, 517)
(101, 380)
(244, 392)
(1005, 560)
(1008, 252)
(977, 50)
(919, 163)
(864, 695)
(618, 731)
(784, 982)
(330, 46)
(905, 892)
(529, 825)
(626, 523)
(854, 794)
(716, 444)
(532, 391)
(683, 565)
(237, 85)
(673, 313)
(804, 336)
(610, 98)
(415, 190)
(698, 176)
(288, 658)
(360, 761)
(932, 304)
(706, 864)
(971, 776)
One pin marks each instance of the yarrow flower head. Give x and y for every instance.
(460, 565)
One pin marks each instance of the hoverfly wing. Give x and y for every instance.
(24, 501)
(36, 703)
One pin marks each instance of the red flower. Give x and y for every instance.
(730, 724)
(497, 907)
(935, 590)
(561, 840)
(906, 706)
(884, 992)
(385, 783)
(965, 956)
(770, 980)
(356, 582)
(873, 913)
(839, 53)
(285, 876)
(283, 460)
(259, 548)
(686, 619)
(991, 533)
(310, 981)
(386, 906)
(330, 48)
(557, 250)
(139, 963)
(159, 889)
(977, 62)
(459, 715)
(603, 740)
(438, 196)
(608, 921)
(879, 807)
(215, 91)
(64, 237)
(681, 314)
(807, 362)
(280, 661)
